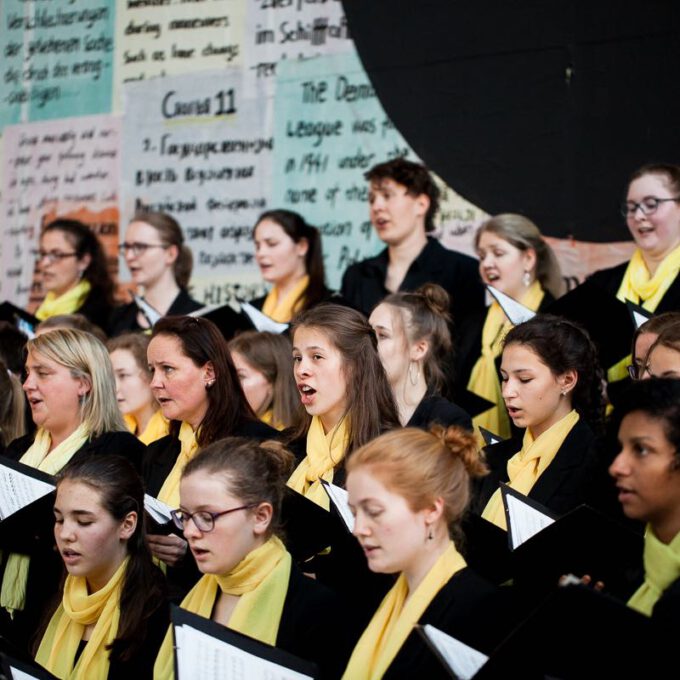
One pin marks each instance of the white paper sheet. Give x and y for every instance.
(203, 657)
(339, 497)
(18, 490)
(524, 521)
(515, 311)
(261, 321)
(21, 675)
(157, 509)
(463, 660)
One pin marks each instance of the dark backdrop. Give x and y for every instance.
(541, 107)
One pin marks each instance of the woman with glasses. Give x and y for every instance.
(133, 387)
(515, 259)
(194, 380)
(71, 392)
(663, 357)
(650, 278)
(112, 612)
(230, 499)
(73, 272)
(160, 264)
(644, 337)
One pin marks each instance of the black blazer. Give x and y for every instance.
(46, 566)
(363, 284)
(317, 624)
(470, 609)
(435, 409)
(96, 310)
(124, 318)
(574, 476)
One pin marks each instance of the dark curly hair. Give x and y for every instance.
(563, 345)
(415, 177)
(658, 398)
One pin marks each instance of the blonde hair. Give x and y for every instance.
(86, 358)
(12, 407)
(523, 234)
(423, 466)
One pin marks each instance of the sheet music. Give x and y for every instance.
(639, 319)
(340, 499)
(463, 660)
(515, 311)
(152, 315)
(261, 321)
(203, 657)
(157, 509)
(524, 521)
(18, 490)
(22, 675)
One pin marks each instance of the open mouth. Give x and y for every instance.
(306, 394)
(199, 553)
(70, 556)
(513, 412)
(491, 276)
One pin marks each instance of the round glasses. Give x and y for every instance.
(52, 256)
(204, 520)
(648, 205)
(137, 249)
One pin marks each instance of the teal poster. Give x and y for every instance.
(57, 58)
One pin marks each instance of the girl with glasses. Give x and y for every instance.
(112, 612)
(135, 399)
(644, 337)
(229, 509)
(160, 264)
(73, 272)
(71, 392)
(663, 357)
(195, 382)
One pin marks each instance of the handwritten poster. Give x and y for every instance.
(57, 58)
(329, 129)
(194, 146)
(292, 29)
(180, 37)
(68, 168)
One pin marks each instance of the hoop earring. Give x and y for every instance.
(412, 380)
(526, 279)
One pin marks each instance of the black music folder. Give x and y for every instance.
(205, 650)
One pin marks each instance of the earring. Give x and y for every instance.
(209, 384)
(430, 535)
(526, 279)
(563, 393)
(412, 380)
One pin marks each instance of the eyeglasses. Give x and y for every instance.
(204, 520)
(52, 255)
(137, 249)
(648, 205)
(633, 371)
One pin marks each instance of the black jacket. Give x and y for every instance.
(96, 310)
(575, 475)
(124, 318)
(363, 284)
(468, 608)
(46, 567)
(436, 409)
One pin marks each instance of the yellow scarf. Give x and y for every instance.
(157, 427)
(525, 467)
(261, 579)
(169, 492)
(324, 452)
(67, 303)
(638, 287)
(394, 620)
(268, 417)
(13, 592)
(662, 567)
(283, 310)
(64, 633)
(484, 377)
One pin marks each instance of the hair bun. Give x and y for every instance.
(281, 458)
(462, 445)
(436, 298)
